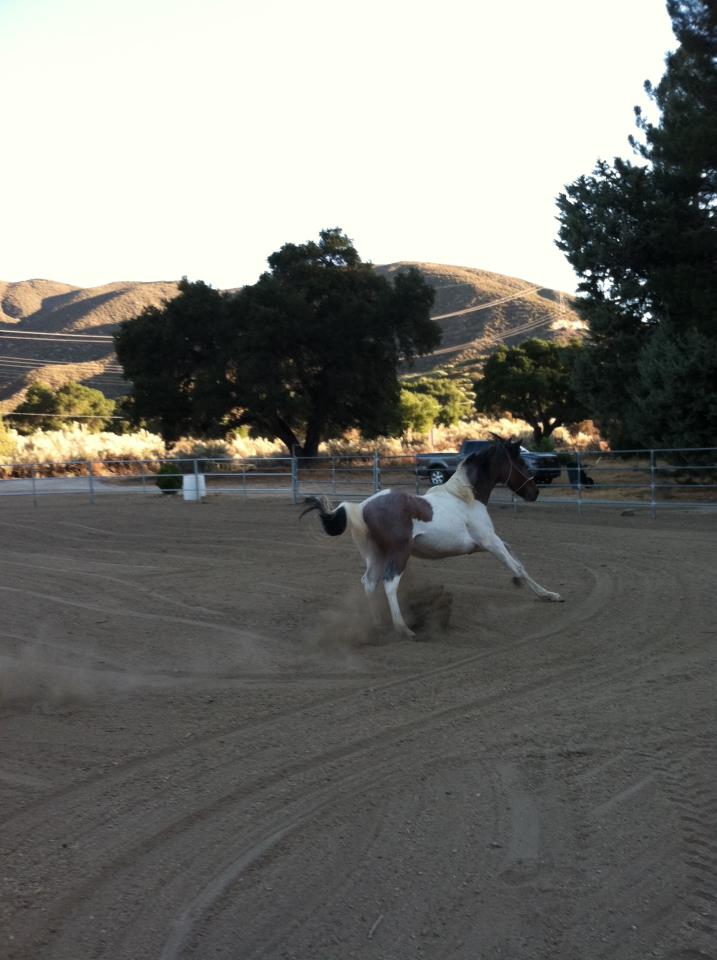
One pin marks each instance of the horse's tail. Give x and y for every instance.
(333, 521)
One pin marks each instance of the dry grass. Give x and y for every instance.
(58, 447)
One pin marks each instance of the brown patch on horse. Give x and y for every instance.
(389, 520)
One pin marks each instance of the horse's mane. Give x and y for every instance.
(484, 456)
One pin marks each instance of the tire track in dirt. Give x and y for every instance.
(463, 713)
(218, 809)
(116, 781)
(150, 826)
(690, 785)
(132, 586)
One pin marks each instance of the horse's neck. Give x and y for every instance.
(460, 487)
(457, 486)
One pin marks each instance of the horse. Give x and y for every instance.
(450, 520)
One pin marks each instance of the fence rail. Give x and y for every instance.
(647, 479)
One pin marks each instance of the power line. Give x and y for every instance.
(50, 336)
(66, 416)
(495, 338)
(487, 306)
(5, 358)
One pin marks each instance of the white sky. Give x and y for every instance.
(149, 139)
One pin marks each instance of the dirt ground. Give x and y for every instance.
(205, 752)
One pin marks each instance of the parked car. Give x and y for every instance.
(438, 467)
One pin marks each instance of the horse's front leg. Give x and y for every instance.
(493, 544)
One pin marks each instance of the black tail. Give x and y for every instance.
(333, 521)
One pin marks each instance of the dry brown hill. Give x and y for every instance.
(53, 332)
(478, 309)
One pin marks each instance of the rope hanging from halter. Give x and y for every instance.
(510, 472)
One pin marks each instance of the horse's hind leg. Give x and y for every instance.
(377, 568)
(391, 579)
(496, 546)
(399, 624)
(370, 582)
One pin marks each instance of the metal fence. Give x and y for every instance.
(646, 479)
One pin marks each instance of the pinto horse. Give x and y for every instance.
(449, 521)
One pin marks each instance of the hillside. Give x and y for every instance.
(478, 309)
(53, 332)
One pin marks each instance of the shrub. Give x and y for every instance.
(169, 477)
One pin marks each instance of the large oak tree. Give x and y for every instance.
(310, 350)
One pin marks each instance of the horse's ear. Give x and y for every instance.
(496, 437)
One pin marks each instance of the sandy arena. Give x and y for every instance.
(205, 752)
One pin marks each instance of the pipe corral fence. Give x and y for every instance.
(645, 479)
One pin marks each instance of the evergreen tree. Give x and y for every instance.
(642, 237)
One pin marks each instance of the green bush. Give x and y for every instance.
(169, 477)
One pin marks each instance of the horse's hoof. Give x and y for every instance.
(405, 632)
(555, 598)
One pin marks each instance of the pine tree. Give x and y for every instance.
(642, 237)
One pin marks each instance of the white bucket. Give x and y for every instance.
(194, 486)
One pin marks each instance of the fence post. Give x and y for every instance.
(653, 502)
(376, 471)
(196, 479)
(294, 476)
(34, 485)
(90, 477)
(579, 483)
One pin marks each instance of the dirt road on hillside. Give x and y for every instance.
(205, 753)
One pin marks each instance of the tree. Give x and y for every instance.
(309, 351)
(533, 381)
(175, 357)
(318, 341)
(453, 395)
(419, 411)
(642, 237)
(677, 373)
(62, 406)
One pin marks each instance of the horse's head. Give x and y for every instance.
(509, 468)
